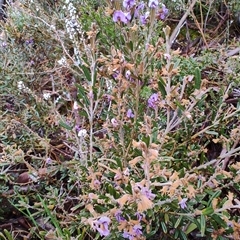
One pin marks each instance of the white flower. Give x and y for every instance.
(46, 96)
(75, 105)
(62, 61)
(58, 99)
(21, 85)
(82, 133)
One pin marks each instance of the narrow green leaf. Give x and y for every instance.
(219, 220)
(82, 95)
(164, 227)
(215, 195)
(2, 236)
(161, 87)
(86, 72)
(207, 211)
(183, 235)
(190, 228)
(203, 225)
(179, 105)
(65, 125)
(166, 218)
(211, 133)
(197, 78)
(8, 234)
(178, 222)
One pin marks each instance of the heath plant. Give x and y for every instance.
(136, 144)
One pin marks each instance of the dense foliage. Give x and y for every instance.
(116, 122)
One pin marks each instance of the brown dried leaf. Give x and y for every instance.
(24, 178)
(144, 204)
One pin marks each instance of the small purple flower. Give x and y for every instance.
(163, 12)
(182, 203)
(153, 3)
(101, 225)
(4, 44)
(130, 113)
(148, 193)
(128, 16)
(97, 183)
(114, 122)
(143, 19)
(127, 235)
(230, 224)
(153, 101)
(31, 63)
(48, 161)
(137, 230)
(138, 8)
(115, 74)
(128, 3)
(140, 216)
(119, 217)
(30, 41)
(119, 15)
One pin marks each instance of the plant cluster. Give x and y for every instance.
(108, 132)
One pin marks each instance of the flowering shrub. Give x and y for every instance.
(130, 126)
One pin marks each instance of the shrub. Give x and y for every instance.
(114, 133)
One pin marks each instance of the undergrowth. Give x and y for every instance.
(112, 127)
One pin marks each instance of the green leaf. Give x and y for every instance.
(178, 222)
(197, 78)
(219, 220)
(86, 73)
(179, 105)
(65, 125)
(215, 195)
(207, 211)
(183, 235)
(164, 227)
(82, 95)
(161, 87)
(203, 225)
(190, 228)
(166, 218)
(130, 45)
(211, 132)
(8, 234)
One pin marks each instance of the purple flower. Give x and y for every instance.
(182, 203)
(101, 225)
(4, 44)
(114, 122)
(32, 63)
(128, 74)
(127, 235)
(230, 224)
(147, 192)
(163, 12)
(137, 230)
(119, 217)
(128, 3)
(153, 100)
(140, 216)
(96, 183)
(119, 15)
(153, 3)
(48, 161)
(143, 19)
(30, 41)
(130, 113)
(138, 8)
(115, 74)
